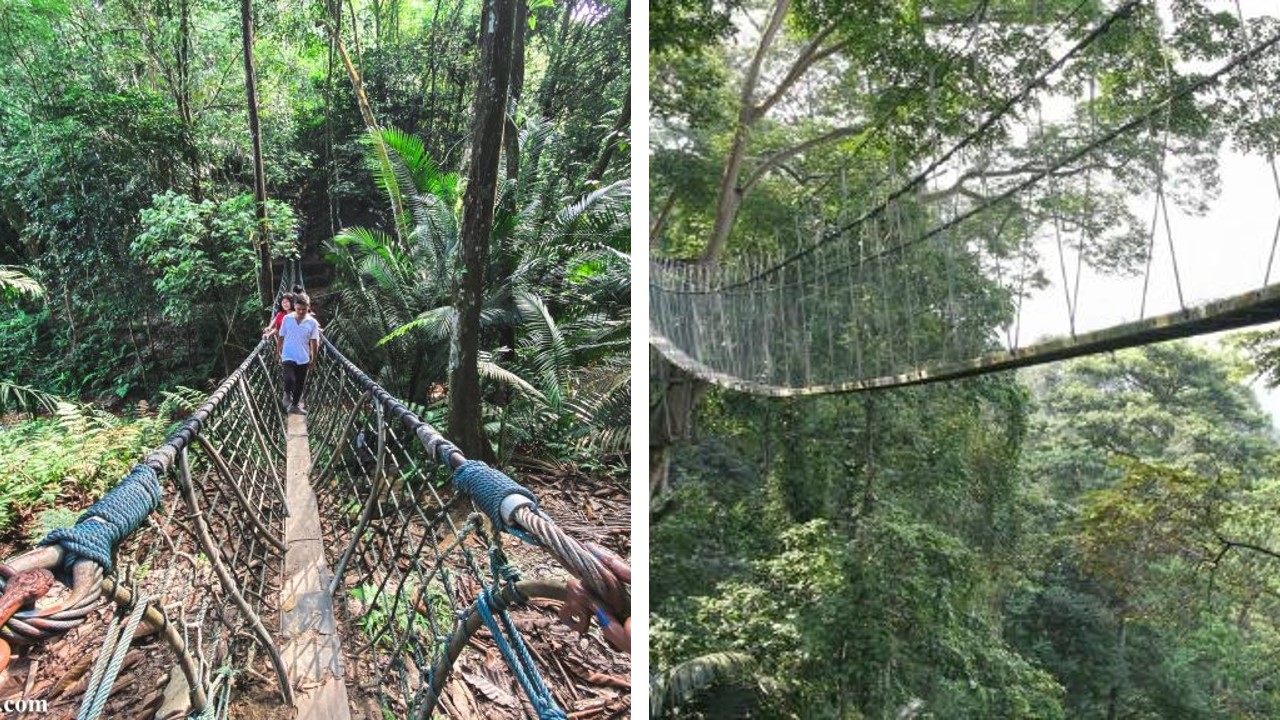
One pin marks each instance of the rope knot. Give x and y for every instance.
(112, 518)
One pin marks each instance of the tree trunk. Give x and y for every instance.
(670, 418)
(512, 137)
(616, 134)
(497, 21)
(547, 93)
(266, 289)
(730, 197)
(1113, 696)
(370, 121)
(183, 94)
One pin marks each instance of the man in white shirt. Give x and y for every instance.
(297, 343)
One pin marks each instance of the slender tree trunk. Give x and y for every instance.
(265, 281)
(547, 93)
(370, 121)
(660, 222)
(477, 223)
(512, 137)
(611, 142)
(1113, 696)
(184, 98)
(331, 163)
(511, 141)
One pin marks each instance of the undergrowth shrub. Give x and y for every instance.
(77, 452)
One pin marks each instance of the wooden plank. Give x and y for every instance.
(312, 650)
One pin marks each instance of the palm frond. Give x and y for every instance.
(685, 682)
(419, 171)
(437, 324)
(600, 216)
(547, 353)
(388, 171)
(491, 370)
(14, 283)
(436, 237)
(24, 398)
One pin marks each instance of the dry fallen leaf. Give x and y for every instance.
(491, 690)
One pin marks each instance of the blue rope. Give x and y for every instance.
(518, 659)
(118, 513)
(489, 487)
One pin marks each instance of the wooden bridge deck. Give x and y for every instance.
(312, 648)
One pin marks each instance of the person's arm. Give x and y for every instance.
(315, 342)
(579, 606)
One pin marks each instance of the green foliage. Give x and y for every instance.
(1153, 477)
(559, 287)
(77, 453)
(203, 252)
(1106, 542)
(389, 620)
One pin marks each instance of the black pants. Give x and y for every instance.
(295, 379)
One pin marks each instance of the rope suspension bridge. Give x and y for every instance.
(300, 553)
(948, 267)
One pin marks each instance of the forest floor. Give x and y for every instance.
(590, 681)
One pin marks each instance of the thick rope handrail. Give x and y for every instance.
(514, 507)
(164, 457)
(113, 517)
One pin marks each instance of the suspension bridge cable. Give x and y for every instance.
(1005, 107)
(1033, 178)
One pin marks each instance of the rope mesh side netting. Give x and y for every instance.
(191, 563)
(404, 539)
(192, 549)
(1059, 225)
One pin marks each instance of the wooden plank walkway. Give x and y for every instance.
(312, 649)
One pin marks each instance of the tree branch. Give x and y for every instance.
(753, 70)
(783, 155)
(1230, 544)
(810, 55)
(979, 173)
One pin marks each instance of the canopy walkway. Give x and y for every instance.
(1032, 239)
(336, 564)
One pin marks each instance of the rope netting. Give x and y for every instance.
(1063, 223)
(417, 534)
(189, 544)
(404, 542)
(192, 547)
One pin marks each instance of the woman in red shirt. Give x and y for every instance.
(284, 307)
